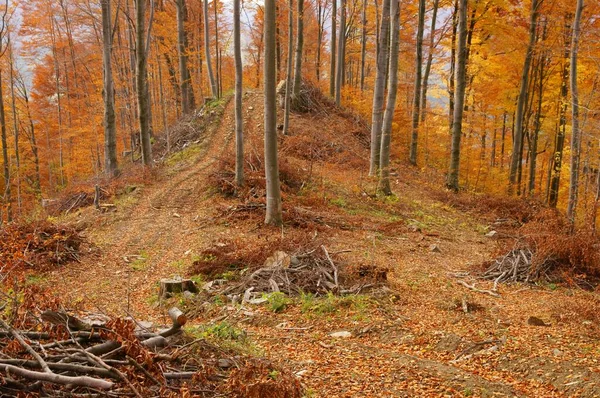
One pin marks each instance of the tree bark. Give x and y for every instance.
(288, 75)
(187, 94)
(273, 212)
(299, 49)
(333, 49)
(341, 55)
(384, 165)
(110, 126)
(363, 45)
(239, 132)
(142, 83)
(425, 84)
(416, 116)
(516, 158)
(459, 97)
(379, 90)
(576, 132)
(211, 77)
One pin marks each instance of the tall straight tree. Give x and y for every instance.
(425, 83)
(211, 77)
(379, 91)
(416, 115)
(239, 128)
(143, 95)
(576, 133)
(288, 73)
(332, 52)
(384, 161)
(341, 55)
(273, 213)
(459, 96)
(363, 44)
(110, 126)
(299, 49)
(187, 94)
(516, 160)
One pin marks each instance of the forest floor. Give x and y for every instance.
(425, 335)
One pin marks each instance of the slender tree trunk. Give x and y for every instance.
(187, 94)
(333, 55)
(162, 99)
(15, 127)
(217, 49)
(320, 16)
(384, 162)
(110, 127)
(516, 158)
(239, 128)
(6, 164)
(363, 45)
(288, 74)
(425, 84)
(459, 96)
(341, 56)
(273, 212)
(299, 52)
(211, 77)
(537, 126)
(416, 116)
(576, 132)
(452, 75)
(142, 82)
(379, 90)
(562, 123)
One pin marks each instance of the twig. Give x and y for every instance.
(472, 287)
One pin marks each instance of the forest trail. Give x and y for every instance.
(414, 341)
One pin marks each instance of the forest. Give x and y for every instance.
(346, 198)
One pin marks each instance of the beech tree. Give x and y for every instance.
(299, 47)
(341, 54)
(288, 73)
(332, 50)
(459, 96)
(273, 213)
(110, 127)
(187, 94)
(211, 77)
(143, 94)
(416, 115)
(390, 108)
(239, 128)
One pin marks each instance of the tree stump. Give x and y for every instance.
(169, 287)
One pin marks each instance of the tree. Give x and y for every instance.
(384, 180)
(516, 158)
(425, 83)
(288, 74)
(576, 133)
(299, 46)
(363, 44)
(110, 127)
(142, 82)
(187, 94)
(341, 55)
(379, 90)
(459, 97)
(273, 214)
(417, 90)
(211, 77)
(7, 184)
(332, 51)
(239, 133)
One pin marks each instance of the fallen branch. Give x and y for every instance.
(472, 287)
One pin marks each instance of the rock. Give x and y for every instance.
(434, 248)
(343, 334)
(492, 234)
(556, 352)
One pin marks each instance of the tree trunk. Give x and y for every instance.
(416, 116)
(425, 83)
(562, 123)
(273, 212)
(187, 94)
(459, 97)
(320, 17)
(537, 127)
(239, 133)
(384, 163)
(516, 158)
(333, 49)
(6, 164)
(142, 83)
(379, 90)
(341, 55)
(452, 74)
(110, 127)
(299, 46)
(288, 75)
(363, 44)
(15, 127)
(211, 77)
(576, 133)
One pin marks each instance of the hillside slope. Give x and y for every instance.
(426, 335)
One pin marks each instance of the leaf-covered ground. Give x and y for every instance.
(426, 336)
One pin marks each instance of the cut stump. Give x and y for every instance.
(169, 287)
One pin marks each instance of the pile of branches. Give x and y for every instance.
(71, 201)
(516, 266)
(314, 271)
(74, 357)
(39, 245)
